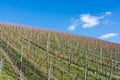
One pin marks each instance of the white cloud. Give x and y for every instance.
(89, 20)
(75, 23)
(72, 27)
(100, 17)
(108, 13)
(109, 35)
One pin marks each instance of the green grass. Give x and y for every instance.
(7, 70)
(34, 60)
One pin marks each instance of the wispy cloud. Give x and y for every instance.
(89, 20)
(104, 15)
(109, 35)
(72, 27)
(107, 13)
(75, 23)
(92, 21)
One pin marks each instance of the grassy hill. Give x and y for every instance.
(39, 54)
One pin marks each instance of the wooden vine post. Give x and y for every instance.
(111, 65)
(76, 49)
(0, 66)
(56, 51)
(35, 41)
(101, 66)
(21, 50)
(7, 44)
(75, 53)
(1, 35)
(19, 37)
(57, 45)
(101, 58)
(47, 55)
(69, 58)
(86, 66)
(115, 56)
(29, 44)
(49, 72)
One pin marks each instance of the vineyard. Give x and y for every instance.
(29, 53)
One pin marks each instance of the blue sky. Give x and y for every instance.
(93, 18)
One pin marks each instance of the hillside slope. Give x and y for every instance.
(39, 54)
